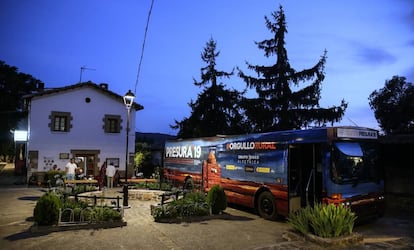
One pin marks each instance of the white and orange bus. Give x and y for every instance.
(279, 172)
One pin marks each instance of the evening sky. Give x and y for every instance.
(367, 42)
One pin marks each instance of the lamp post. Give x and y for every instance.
(128, 101)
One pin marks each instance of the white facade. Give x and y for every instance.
(87, 107)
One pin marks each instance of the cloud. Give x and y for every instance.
(374, 56)
(410, 19)
(410, 43)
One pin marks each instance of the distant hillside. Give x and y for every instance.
(156, 140)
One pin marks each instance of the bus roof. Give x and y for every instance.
(313, 135)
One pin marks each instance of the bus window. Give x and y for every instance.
(354, 162)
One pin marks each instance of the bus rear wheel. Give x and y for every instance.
(266, 206)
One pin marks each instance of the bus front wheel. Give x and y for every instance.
(266, 206)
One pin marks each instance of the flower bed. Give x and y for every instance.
(53, 211)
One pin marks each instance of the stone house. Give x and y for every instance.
(85, 121)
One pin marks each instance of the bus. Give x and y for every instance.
(280, 172)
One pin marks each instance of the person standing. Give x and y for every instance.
(70, 169)
(110, 172)
(102, 176)
(116, 176)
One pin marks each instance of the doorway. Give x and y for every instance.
(87, 160)
(304, 180)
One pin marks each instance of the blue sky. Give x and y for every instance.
(367, 41)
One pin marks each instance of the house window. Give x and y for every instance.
(112, 124)
(60, 121)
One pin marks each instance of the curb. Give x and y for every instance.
(190, 219)
(354, 239)
(67, 227)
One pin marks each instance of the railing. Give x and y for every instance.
(77, 215)
(307, 187)
(95, 198)
(132, 182)
(167, 195)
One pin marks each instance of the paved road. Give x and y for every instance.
(243, 230)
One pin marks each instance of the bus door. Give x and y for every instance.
(304, 177)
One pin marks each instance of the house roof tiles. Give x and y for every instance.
(101, 87)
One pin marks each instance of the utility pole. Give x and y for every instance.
(81, 72)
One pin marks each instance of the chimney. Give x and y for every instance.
(103, 85)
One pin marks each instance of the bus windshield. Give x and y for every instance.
(355, 162)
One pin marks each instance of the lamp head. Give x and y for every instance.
(129, 99)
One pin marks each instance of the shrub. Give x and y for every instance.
(46, 211)
(52, 175)
(154, 186)
(300, 220)
(193, 204)
(78, 189)
(188, 184)
(196, 197)
(70, 205)
(111, 214)
(324, 220)
(332, 221)
(82, 213)
(217, 200)
(104, 214)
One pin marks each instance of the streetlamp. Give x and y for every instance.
(128, 101)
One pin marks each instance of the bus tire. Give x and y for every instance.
(266, 206)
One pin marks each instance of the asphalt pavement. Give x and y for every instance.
(240, 229)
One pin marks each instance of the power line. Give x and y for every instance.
(143, 46)
(355, 124)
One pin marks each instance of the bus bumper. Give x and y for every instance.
(368, 208)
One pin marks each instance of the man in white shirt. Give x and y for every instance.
(70, 169)
(110, 172)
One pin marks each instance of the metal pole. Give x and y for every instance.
(125, 202)
(80, 77)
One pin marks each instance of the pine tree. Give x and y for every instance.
(277, 106)
(216, 110)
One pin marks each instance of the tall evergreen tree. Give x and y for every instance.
(277, 106)
(13, 86)
(216, 110)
